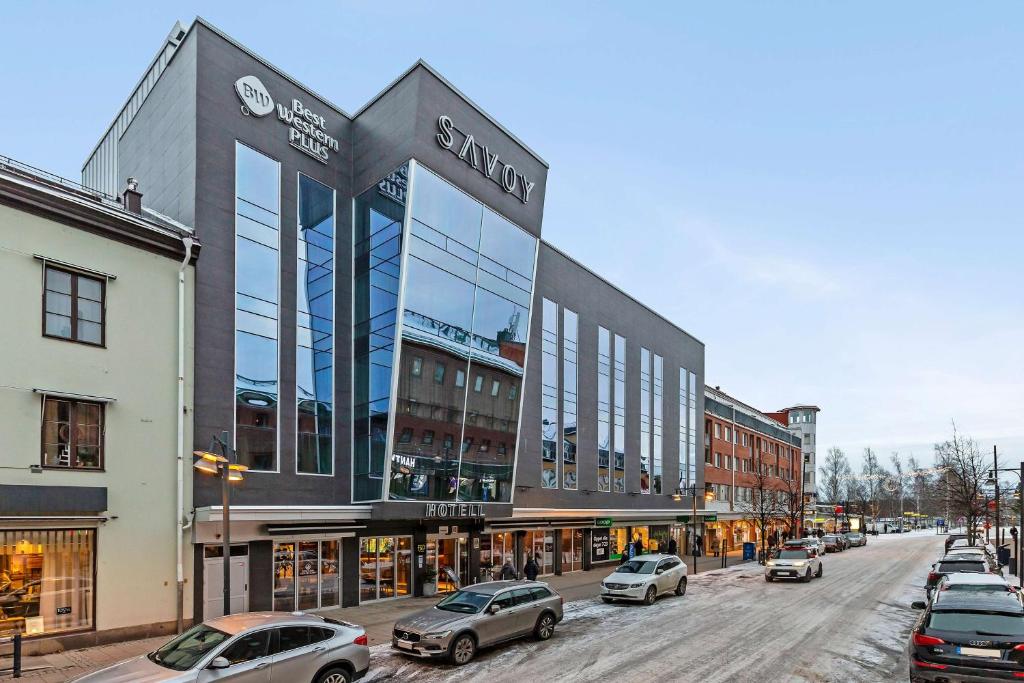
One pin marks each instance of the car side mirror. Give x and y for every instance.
(659, 570)
(918, 604)
(494, 609)
(220, 663)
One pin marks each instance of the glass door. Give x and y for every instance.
(330, 578)
(447, 565)
(309, 574)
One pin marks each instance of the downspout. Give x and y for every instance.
(179, 512)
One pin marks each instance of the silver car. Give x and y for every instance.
(645, 577)
(478, 616)
(255, 647)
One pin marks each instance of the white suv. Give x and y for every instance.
(645, 577)
(794, 563)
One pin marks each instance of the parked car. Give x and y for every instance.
(855, 538)
(810, 542)
(952, 564)
(477, 616)
(952, 538)
(794, 563)
(833, 544)
(289, 647)
(645, 577)
(974, 583)
(967, 636)
(993, 562)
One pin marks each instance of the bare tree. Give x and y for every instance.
(962, 482)
(763, 507)
(792, 507)
(834, 473)
(857, 492)
(897, 487)
(872, 474)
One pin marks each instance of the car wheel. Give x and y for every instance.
(545, 627)
(650, 596)
(807, 576)
(818, 574)
(336, 675)
(768, 578)
(681, 586)
(463, 650)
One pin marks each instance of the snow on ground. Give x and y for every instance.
(849, 626)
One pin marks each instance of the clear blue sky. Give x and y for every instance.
(829, 195)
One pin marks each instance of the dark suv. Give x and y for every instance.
(968, 637)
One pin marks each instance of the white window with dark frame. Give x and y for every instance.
(72, 434)
(73, 306)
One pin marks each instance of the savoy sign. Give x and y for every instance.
(479, 156)
(307, 130)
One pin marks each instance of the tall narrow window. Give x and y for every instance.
(570, 330)
(604, 403)
(314, 333)
(257, 285)
(692, 427)
(684, 452)
(620, 415)
(377, 245)
(73, 306)
(549, 396)
(645, 420)
(656, 445)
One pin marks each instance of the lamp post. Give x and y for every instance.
(708, 496)
(1019, 550)
(222, 467)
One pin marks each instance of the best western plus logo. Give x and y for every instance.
(307, 131)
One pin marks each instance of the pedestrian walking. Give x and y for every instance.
(638, 547)
(672, 546)
(624, 554)
(532, 569)
(508, 572)
(698, 546)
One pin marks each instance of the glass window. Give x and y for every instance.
(569, 378)
(645, 420)
(385, 567)
(658, 406)
(619, 476)
(249, 646)
(549, 395)
(292, 637)
(46, 580)
(186, 650)
(314, 366)
(257, 283)
(604, 359)
(73, 306)
(72, 434)
(284, 577)
(439, 373)
(417, 366)
(460, 378)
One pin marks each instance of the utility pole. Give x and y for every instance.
(995, 464)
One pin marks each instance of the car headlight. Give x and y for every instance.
(437, 635)
(636, 585)
(771, 563)
(799, 563)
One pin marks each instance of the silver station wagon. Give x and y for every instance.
(478, 616)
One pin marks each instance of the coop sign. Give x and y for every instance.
(307, 130)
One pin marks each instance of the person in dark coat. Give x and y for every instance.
(672, 546)
(532, 569)
(698, 546)
(638, 547)
(508, 572)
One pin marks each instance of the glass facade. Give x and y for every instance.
(306, 575)
(685, 459)
(385, 567)
(570, 332)
(46, 580)
(377, 237)
(691, 424)
(495, 550)
(657, 444)
(314, 333)
(645, 420)
(257, 292)
(549, 396)
(619, 472)
(467, 290)
(604, 389)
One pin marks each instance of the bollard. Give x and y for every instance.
(17, 654)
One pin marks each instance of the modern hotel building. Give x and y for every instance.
(416, 380)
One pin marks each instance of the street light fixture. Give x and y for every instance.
(1019, 541)
(220, 465)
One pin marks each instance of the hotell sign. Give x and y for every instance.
(448, 510)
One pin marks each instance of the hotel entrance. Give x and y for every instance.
(449, 556)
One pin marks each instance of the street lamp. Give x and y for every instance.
(709, 495)
(993, 479)
(220, 465)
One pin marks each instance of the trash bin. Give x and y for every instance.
(1004, 555)
(749, 551)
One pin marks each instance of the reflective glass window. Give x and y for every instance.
(645, 420)
(549, 395)
(604, 435)
(691, 422)
(619, 469)
(314, 362)
(658, 390)
(257, 285)
(570, 325)
(684, 453)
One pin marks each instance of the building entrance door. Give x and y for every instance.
(213, 580)
(451, 560)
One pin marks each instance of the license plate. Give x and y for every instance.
(787, 573)
(404, 644)
(979, 652)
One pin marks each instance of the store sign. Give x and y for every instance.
(63, 610)
(479, 156)
(603, 521)
(599, 545)
(307, 130)
(711, 518)
(444, 510)
(685, 519)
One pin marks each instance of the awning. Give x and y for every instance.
(73, 396)
(72, 266)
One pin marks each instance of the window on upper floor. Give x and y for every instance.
(72, 434)
(73, 307)
(718, 431)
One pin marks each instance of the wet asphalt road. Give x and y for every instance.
(848, 626)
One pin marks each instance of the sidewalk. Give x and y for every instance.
(377, 618)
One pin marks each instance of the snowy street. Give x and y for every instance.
(850, 625)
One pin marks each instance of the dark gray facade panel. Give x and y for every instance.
(16, 499)
(402, 124)
(159, 146)
(219, 123)
(599, 304)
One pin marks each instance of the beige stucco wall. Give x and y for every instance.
(135, 567)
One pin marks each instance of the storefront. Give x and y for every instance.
(385, 567)
(495, 550)
(306, 575)
(572, 549)
(46, 580)
(449, 557)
